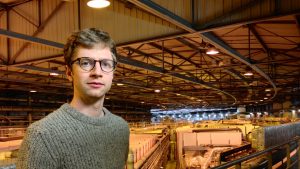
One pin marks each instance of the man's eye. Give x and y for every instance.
(86, 63)
(107, 64)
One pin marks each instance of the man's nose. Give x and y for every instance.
(97, 69)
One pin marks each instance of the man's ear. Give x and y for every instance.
(69, 73)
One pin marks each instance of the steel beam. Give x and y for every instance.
(31, 39)
(39, 60)
(181, 57)
(147, 55)
(121, 59)
(27, 19)
(227, 49)
(214, 26)
(33, 83)
(40, 69)
(139, 64)
(174, 53)
(221, 21)
(156, 58)
(28, 75)
(18, 3)
(161, 12)
(40, 28)
(155, 9)
(297, 18)
(2, 58)
(230, 71)
(258, 38)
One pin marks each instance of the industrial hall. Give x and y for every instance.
(150, 84)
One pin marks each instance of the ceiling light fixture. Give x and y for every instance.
(98, 3)
(32, 91)
(54, 74)
(265, 98)
(156, 90)
(267, 90)
(120, 84)
(248, 72)
(212, 51)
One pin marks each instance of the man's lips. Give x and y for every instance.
(95, 84)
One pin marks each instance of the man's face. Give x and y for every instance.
(90, 85)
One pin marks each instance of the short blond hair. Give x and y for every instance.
(88, 38)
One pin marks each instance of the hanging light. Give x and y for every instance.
(212, 51)
(54, 74)
(267, 90)
(156, 90)
(98, 3)
(248, 72)
(54, 71)
(32, 91)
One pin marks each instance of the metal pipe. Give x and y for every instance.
(28, 109)
(268, 150)
(270, 163)
(298, 154)
(149, 153)
(288, 157)
(216, 130)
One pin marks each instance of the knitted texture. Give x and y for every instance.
(68, 139)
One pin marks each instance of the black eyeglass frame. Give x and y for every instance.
(95, 61)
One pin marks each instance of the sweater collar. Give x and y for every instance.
(84, 118)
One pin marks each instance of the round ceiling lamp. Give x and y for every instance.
(156, 90)
(98, 3)
(212, 51)
(249, 73)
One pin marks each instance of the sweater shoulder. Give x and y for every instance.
(118, 119)
(119, 122)
(49, 122)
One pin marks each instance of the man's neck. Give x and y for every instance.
(92, 109)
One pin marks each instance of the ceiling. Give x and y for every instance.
(161, 45)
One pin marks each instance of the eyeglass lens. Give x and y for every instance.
(88, 64)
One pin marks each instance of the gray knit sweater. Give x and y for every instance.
(68, 139)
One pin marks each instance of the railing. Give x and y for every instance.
(268, 153)
(153, 158)
(157, 125)
(8, 134)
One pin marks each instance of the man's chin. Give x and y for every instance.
(97, 96)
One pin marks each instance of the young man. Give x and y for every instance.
(81, 134)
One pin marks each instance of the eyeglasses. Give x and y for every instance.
(88, 64)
